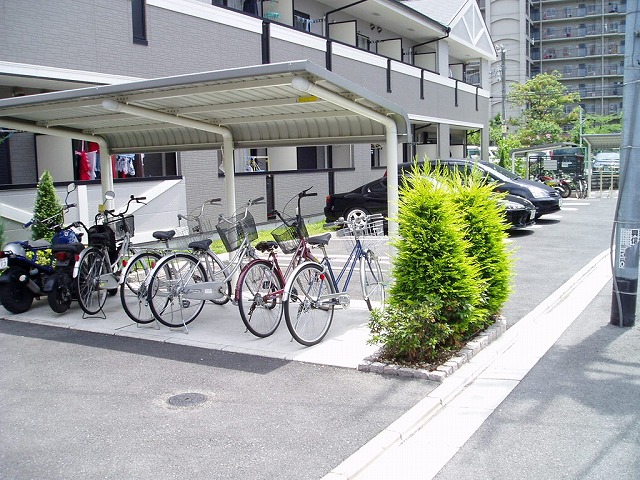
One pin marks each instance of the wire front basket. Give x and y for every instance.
(287, 235)
(370, 232)
(121, 226)
(200, 224)
(234, 230)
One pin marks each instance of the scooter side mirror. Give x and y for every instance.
(109, 195)
(71, 187)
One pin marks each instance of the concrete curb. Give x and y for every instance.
(448, 368)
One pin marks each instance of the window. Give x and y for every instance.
(157, 164)
(362, 41)
(139, 21)
(376, 154)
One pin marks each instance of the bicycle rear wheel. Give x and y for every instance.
(307, 310)
(260, 298)
(92, 264)
(168, 289)
(133, 291)
(372, 281)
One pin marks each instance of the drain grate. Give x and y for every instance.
(187, 399)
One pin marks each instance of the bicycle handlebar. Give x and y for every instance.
(65, 208)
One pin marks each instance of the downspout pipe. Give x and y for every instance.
(326, 15)
(106, 178)
(391, 134)
(446, 35)
(227, 140)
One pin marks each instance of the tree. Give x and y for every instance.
(545, 100)
(505, 143)
(597, 124)
(47, 207)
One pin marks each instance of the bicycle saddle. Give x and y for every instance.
(319, 239)
(200, 244)
(266, 246)
(164, 234)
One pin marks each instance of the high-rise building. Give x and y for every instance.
(582, 40)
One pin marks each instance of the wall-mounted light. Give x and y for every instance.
(379, 29)
(372, 26)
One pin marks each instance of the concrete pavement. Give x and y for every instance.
(437, 432)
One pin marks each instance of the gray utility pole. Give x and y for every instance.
(627, 220)
(503, 71)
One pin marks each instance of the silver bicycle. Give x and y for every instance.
(181, 282)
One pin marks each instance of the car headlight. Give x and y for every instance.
(512, 205)
(538, 192)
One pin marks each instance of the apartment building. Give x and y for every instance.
(417, 54)
(582, 40)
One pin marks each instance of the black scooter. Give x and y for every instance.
(26, 276)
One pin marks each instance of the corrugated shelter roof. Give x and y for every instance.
(603, 141)
(257, 104)
(285, 104)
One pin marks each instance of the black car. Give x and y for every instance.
(531, 196)
(546, 199)
(372, 198)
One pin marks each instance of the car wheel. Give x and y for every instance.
(358, 215)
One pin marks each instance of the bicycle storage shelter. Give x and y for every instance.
(282, 104)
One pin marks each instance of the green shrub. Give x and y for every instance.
(411, 334)
(2, 240)
(451, 270)
(486, 231)
(431, 264)
(47, 207)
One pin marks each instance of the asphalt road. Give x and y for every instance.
(84, 405)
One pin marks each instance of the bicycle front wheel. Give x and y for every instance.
(309, 304)
(133, 291)
(372, 281)
(168, 289)
(92, 264)
(260, 298)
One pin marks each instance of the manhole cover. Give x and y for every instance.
(187, 399)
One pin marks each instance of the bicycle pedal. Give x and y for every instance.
(344, 300)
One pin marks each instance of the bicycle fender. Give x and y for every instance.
(76, 266)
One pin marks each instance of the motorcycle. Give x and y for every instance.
(25, 276)
(562, 186)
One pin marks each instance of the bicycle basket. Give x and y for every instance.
(370, 233)
(121, 226)
(287, 235)
(200, 225)
(234, 230)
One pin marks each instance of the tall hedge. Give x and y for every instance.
(432, 264)
(485, 228)
(451, 269)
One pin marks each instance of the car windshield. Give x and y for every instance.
(500, 172)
